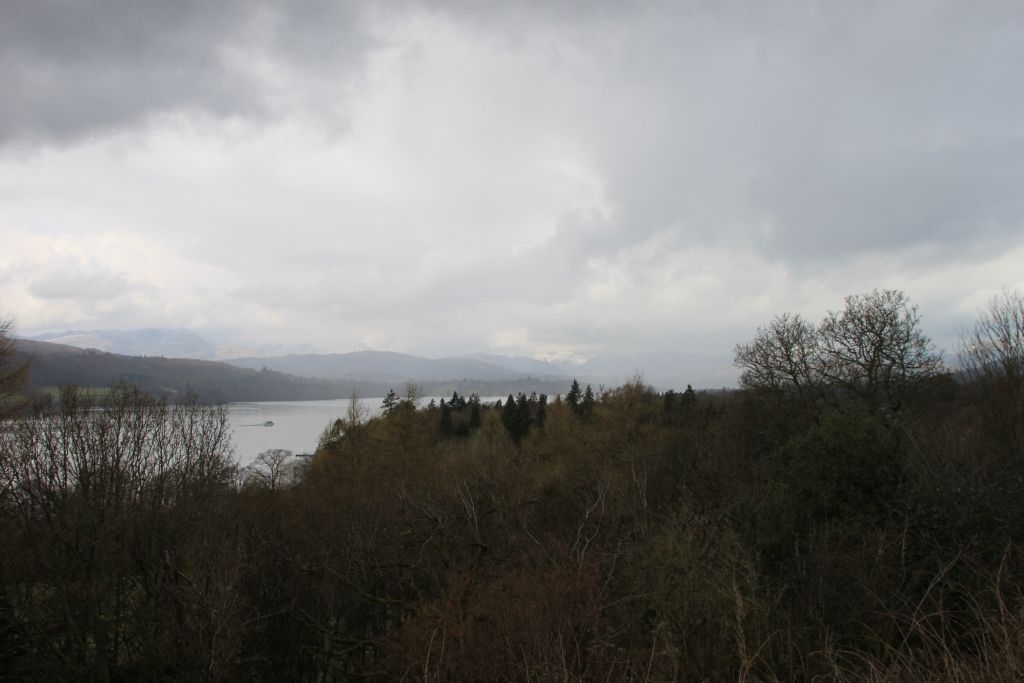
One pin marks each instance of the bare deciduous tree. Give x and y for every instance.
(781, 357)
(994, 348)
(274, 468)
(106, 504)
(873, 350)
(12, 375)
(992, 354)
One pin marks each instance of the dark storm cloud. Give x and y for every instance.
(71, 69)
(820, 130)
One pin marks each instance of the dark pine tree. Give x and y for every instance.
(521, 424)
(390, 402)
(588, 403)
(508, 413)
(668, 402)
(516, 417)
(447, 428)
(573, 397)
(474, 412)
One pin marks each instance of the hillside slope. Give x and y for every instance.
(388, 366)
(53, 365)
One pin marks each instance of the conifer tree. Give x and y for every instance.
(573, 397)
(668, 402)
(522, 419)
(474, 412)
(508, 413)
(390, 402)
(516, 417)
(447, 428)
(588, 403)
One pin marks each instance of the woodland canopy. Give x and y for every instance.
(852, 513)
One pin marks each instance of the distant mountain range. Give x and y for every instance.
(523, 364)
(171, 343)
(667, 369)
(54, 365)
(396, 367)
(663, 369)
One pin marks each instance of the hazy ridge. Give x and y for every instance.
(53, 365)
(663, 369)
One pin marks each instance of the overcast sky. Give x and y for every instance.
(552, 179)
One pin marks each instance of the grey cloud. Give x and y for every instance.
(80, 286)
(815, 132)
(807, 134)
(75, 69)
(956, 201)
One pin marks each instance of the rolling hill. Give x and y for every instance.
(54, 365)
(388, 366)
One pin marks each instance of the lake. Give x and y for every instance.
(297, 424)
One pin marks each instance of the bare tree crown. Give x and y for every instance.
(873, 350)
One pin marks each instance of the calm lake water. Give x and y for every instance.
(297, 424)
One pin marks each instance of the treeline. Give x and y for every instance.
(852, 513)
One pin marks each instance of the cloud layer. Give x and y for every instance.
(452, 177)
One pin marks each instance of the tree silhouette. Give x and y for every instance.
(588, 403)
(447, 428)
(12, 376)
(474, 412)
(390, 402)
(573, 397)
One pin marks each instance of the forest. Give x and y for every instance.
(852, 512)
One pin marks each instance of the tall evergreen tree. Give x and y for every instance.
(390, 402)
(542, 411)
(522, 419)
(588, 403)
(573, 397)
(508, 413)
(447, 428)
(516, 417)
(474, 412)
(668, 402)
